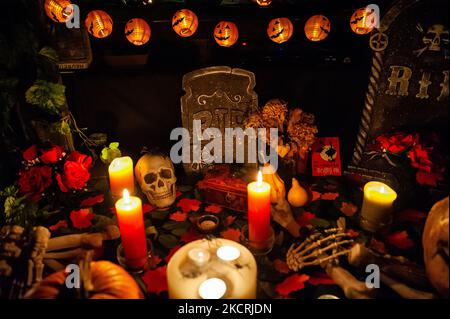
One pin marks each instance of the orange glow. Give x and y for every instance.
(99, 24)
(317, 28)
(137, 31)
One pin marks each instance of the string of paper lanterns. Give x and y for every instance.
(185, 23)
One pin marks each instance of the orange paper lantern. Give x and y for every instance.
(280, 30)
(137, 31)
(99, 24)
(185, 22)
(226, 33)
(264, 3)
(363, 20)
(58, 10)
(317, 28)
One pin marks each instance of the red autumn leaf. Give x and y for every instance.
(352, 233)
(329, 196)
(187, 205)
(156, 280)
(281, 266)
(30, 153)
(191, 235)
(214, 209)
(147, 208)
(154, 261)
(305, 219)
(320, 278)
(171, 253)
(315, 196)
(291, 284)
(411, 215)
(231, 234)
(378, 246)
(400, 240)
(91, 201)
(348, 209)
(229, 220)
(429, 179)
(82, 218)
(58, 225)
(179, 216)
(178, 194)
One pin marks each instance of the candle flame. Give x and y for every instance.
(126, 196)
(260, 178)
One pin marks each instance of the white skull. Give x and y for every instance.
(436, 35)
(156, 177)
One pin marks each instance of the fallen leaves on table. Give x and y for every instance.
(91, 201)
(171, 253)
(378, 246)
(329, 196)
(281, 266)
(187, 205)
(352, 233)
(147, 208)
(156, 280)
(82, 218)
(58, 225)
(411, 215)
(400, 240)
(305, 219)
(315, 196)
(179, 216)
(191, 235)
(348, 209)
(291, 284)
(229, 220)
(154, 261)
(231, 234)
(214, 209)
(320, 278)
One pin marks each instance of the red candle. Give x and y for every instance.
(131, 224)
(258, 194)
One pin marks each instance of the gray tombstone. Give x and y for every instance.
(408, 84)
(220, 97)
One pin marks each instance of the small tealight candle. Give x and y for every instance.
(121, 175)
(199, 256)
(213, 288)
(228, 253)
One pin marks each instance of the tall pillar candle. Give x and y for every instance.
(121, 175)
(132, 230)
(258, 194)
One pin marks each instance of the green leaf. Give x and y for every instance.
(319, 222)
(114, 145)
(171, 225)
(168, 241)
(151, 231)
(159, 214)
(180, 231)
(48, 96)
(49, 53)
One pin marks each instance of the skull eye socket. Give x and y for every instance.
(150, 178)
(165, 173)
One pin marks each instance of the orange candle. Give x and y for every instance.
(132, 231)
(258, 194)
(121, 175)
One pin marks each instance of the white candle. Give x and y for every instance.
(213, 288)
(228, 253)
(199, 256)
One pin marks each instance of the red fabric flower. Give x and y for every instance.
(395, 143)
(75, 174)
(51, 155)
(30, 153)
(35, 181)
(420, 158)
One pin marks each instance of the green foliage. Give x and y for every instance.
(48, 96)
(110, 153)
(18, 210)
(49, 53)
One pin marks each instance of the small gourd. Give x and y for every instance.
(297, 195)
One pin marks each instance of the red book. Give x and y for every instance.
(326, 157)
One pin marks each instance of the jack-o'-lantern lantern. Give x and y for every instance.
(317, 28)
(58, 10)
(137, 31)
(363, 20)
(185, 22)
(280, 30)
(99, 24)
(264, 3)
(226, 33)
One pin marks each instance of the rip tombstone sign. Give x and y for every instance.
(408, 82)
(220, 97)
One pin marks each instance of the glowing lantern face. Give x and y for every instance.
(226, 33)
(99, 24)
(137, 31)
(317, 28)
(363, 20)
(58, 10)
(264, 3)
(280, 30)
(185, 22)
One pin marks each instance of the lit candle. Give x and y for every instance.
(258, 212)
(199, 256)
(131, 224)
(121, 175)
(377, 205)
(228, 253)
(213, 288)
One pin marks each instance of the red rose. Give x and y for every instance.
(75, 176)
(51, 155)
(35, 181)
(81, 159)
(30, 153)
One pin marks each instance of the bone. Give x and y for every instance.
(405, 291)
(93, 240)
(352, 287)
(65, 254)
(54, 265)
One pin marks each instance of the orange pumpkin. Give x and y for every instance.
(363, 20)
(185, 22)
(317, 28)
(226, 33)
(99, 24)
(137, 31)
(264, 3)
(106, 281)
(58, 10)
(280, 30)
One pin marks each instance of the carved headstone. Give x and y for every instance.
(220, 97)
(408, 85)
